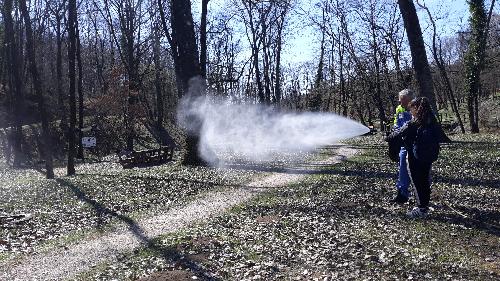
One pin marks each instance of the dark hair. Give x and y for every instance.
(423, 111)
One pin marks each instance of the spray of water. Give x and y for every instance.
(258, 132)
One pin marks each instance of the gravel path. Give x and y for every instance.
(62, 263)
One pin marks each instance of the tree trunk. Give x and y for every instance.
(46, 146)
(314, 103)
(395, 52)
(319, 70)
(59, 77)
(266, 63)
(376, 62)
(158, 81)
(72, 18)
(449, 89)
(16, 89)
(255, 52)
(173, 48)
(203, 38)
(188, 68)
(80, 92)
(183, 32)
(343, 93)
(258, 79)
(418, 54)
(474, 59)
(128, 43)
(277, 81)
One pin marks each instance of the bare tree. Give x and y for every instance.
(438, 58)
(46, 146)
(58, 11)
(80, 90)
(127, 39)
(418, 53)
(474, 59)
(186, 50)
(158, 69)
(376, 61)
(15, 82)
(279, 46)
(255, 43)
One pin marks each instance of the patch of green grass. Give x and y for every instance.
(161, 254)
(4, 256)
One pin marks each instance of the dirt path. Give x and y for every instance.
(62, 263)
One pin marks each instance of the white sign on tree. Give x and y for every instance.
(88, 142)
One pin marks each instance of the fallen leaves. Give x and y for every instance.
(336, 224)
(100, 193)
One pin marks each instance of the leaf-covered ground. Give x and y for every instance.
(338, 224)
(103, 193)
(98, 195)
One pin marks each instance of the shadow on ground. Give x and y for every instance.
(170, 254)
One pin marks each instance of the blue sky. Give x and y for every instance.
(450, 15)
(302, 42)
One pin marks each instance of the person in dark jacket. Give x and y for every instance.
(419, 167)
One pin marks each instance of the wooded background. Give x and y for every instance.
(117, 66)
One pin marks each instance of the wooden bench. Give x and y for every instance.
(146, 157)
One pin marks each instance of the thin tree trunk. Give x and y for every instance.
(80, 92)
(72, 18)
(277, 85)
(343, 93)
(255, 53)
(395, 51)
(133, 77)
(3, 58)
(158, 82)
(46, 147)
(15, 78)
(315, 100)
(257, 74)
(474, 60)
(319, 71)
(449, 90)
(378, 93)
(265, 35)
(59, 76)
(203, 38)
(442, 70)
(267, 66)
(173, 47)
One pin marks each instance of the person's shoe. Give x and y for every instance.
(417, 213)
(399, 199)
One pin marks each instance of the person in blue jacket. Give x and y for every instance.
(420, 137)
(402, 117)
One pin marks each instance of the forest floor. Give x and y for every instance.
(312, 220)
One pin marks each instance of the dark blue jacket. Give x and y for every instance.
(407, 135)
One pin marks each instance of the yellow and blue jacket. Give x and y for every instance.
(401, 117)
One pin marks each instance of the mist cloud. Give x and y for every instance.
(258, 132)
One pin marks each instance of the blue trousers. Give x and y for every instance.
(403, 179)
